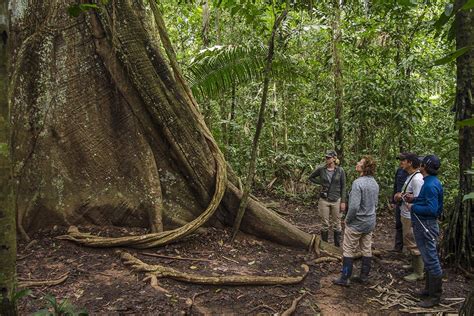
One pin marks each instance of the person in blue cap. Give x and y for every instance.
(425, 211)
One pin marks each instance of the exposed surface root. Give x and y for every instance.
(22, 283)
(319, 246)
(165, 272)
(325, 259)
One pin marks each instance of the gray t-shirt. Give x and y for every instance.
(363, 200)
(329, 174)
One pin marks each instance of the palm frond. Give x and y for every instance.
(217, 68)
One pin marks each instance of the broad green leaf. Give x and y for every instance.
(463, 123)
(468, 5)
(469, 196)
(452, 56)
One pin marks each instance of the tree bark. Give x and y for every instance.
(7, 211)
(105, 132)
(338, 81)
(460, 223)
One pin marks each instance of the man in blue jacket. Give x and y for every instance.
(425, 211)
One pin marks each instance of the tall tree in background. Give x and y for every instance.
(7, 212)
(338, 79)
(459, 240)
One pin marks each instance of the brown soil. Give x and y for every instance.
(101, 284)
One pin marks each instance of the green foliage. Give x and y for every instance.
(59, 308)
(393, 98)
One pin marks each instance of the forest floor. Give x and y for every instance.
(100, 283)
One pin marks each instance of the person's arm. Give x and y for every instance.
(430, 206)
(354, 202)
(315, 177)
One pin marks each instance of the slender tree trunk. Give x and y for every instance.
(7, 211)
(338, 81)
(459, 240)
(206, 18)
(274, 120)
(261, 115)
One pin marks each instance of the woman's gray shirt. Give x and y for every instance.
(363, 200)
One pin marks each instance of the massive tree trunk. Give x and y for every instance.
(104, 132)
(7, 212)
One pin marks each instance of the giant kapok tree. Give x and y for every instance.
(105, 130)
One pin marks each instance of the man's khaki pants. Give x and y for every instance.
(408, 237)
(353, 240)
(330, 210)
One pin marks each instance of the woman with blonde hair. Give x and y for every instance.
(332, 199)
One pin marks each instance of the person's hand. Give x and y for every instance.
(392, 206)
(408, 197)
(343, 207)
(397, 197)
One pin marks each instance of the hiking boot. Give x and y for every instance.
(346, 273)
(435, 289)
(365, 267)
(337, 239)
(418, 269)
(424, 292)
(324, 235)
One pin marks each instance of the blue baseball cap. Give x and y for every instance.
(432, 162)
